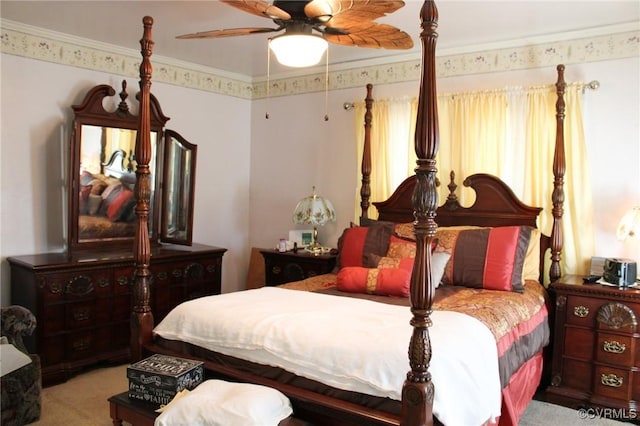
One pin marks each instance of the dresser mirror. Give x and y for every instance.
(102, 171)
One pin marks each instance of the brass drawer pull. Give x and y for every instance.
(581, 311)
(276, 270)
(614, 347)
(81, 345)
(611, 380)
(82, 315)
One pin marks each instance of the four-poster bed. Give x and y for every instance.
(414, 201)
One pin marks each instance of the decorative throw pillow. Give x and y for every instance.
(489, 258)
(85, 190)
(97, 186)
(531, 268)
(121, 205)
(400, 248)
(357, 242)
(438, 263)
(221, 403)
(405, 263)
(404, 230)
(94, 203)
(380, 281)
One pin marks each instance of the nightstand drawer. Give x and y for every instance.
(612, 382)
(616, 349)
(577, 375)
(281, 268)
(582, 311)
(578, 343)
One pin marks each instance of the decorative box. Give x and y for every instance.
(159, 378)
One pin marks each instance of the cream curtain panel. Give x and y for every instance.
(509, 133)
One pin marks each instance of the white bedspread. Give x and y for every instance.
(347, 343)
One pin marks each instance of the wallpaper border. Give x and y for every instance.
(35, 43)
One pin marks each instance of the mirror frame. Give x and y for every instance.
(185, 181)
(92, 112)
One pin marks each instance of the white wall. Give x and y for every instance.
(35, 110)
(296, 149)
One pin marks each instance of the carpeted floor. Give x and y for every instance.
(83, 401)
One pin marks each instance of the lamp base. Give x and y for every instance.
(317, 250)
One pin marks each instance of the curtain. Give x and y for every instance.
(509, 133)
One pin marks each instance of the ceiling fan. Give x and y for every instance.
(344, 22)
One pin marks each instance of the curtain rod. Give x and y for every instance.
(592, 85)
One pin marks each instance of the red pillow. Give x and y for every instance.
(489, 258)
(380, 281)
(358, 242)
(121, 202)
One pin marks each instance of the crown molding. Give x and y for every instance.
(596, 44)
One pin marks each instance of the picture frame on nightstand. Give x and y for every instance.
(302, 237)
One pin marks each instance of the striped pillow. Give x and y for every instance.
(487, 258)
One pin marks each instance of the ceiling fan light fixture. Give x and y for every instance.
(298, 50)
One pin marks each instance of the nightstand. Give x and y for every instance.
(596, 346)
(285, 267)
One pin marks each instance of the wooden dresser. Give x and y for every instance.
(596, 346)
(83, 303)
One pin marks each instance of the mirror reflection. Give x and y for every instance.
(107, 180)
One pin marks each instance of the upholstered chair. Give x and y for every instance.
(21, 388)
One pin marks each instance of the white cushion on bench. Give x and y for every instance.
(217, 402)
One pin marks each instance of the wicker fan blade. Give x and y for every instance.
(347, 13)
(259, 8)
(228, 33)
(372, 35)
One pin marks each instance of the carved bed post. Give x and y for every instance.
(559, 167)
(141, 316)
(418, 390)
(365, 189)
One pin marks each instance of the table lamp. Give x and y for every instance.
(315, 210)
(629, 226)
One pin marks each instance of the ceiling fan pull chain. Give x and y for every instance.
(326, 86)
(266, 116)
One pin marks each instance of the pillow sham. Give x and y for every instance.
(400, 248)
(222, 403)
(489, 258)
(358, 242)
(121, 205)
(531, 268)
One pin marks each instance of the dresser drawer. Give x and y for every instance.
(612, 382)
(75, 285)
(616, 349)
(79, 345)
